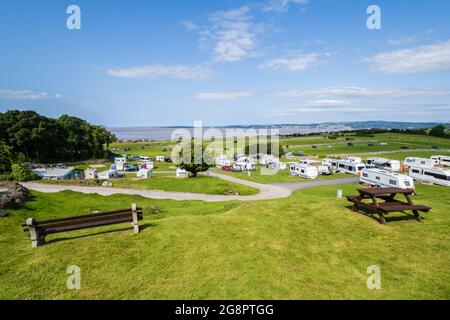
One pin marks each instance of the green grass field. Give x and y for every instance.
(310, 246)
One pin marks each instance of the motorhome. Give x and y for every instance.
(91, 174)
(350, 167)
(384, 164)
(434, 175)
(385, 179)
(442, 160)
(420, 162)
(120, 163)
(304, 171)
(245, 164)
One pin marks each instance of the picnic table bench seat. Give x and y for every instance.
(389, 205)
(40, 229)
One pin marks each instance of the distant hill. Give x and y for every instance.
(349, 125)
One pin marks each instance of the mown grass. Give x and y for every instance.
(200, 184)
(310, 246)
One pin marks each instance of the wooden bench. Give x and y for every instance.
(390, 205)
(39, 229)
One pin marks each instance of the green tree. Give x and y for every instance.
(5, 158)
(21, 173)
(194, 158)
(438, 131)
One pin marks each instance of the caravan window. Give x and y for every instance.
(416, 171)
(378, 178)
(437, 175)
(407, 183)
(360, 167)
(393, 182)
(341, 166)
(365, 175)
(352, 168)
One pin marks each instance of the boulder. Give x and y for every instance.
(14, 196)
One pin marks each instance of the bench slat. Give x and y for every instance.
(80, 217)
(89, 225)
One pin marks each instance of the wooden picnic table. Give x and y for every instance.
(389, 205)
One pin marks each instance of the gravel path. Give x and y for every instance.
(267, 191)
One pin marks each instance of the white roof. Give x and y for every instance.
(54, 172)
(385, 172)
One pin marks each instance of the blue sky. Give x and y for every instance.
(138, 63)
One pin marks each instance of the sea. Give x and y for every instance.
(168, 133)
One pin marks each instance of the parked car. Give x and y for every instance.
(226, 168)
(167, 159)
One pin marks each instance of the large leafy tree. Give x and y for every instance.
(5, 158)
(44, 139)
(194, 158)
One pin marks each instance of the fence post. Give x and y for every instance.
(135, 218)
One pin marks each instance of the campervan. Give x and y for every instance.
(434, 175)
(120, 163)
(266, 159)
(304, 171)
(245, 164)
(385, 179)
(442, 160)
(420, 162)
(384, 164)
(350, 167)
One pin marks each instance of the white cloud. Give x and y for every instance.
(364, 92)
(231, 95)
(233, 33)
(189, 25)
(281, 5)
(162, 71)
(297, 63)
(427, 58)
(27, 95)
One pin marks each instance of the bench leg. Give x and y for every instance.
(135, 222)
(355, 207)
(417, 216)
(382, 219)
(37, 239)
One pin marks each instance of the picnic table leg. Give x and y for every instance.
(382, 219)
(135, 222)
(417, 215)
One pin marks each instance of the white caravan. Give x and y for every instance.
(181, 173)
(350, 167)
(266, 159)
(325, 170)
(245, 164)
(120, 163)
(144, 173)
(91, 174)
(385, 179)
(420, 162)
(307, 172)
(353, 160)
(433, 175)
(160, 159)
(308, 162)
(442, 160)
(384, 164)
(222, 160)
(277, 165)
(108, 174)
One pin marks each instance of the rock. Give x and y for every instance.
(15, 195)
(3, 213)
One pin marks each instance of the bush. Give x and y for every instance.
(22, 173)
